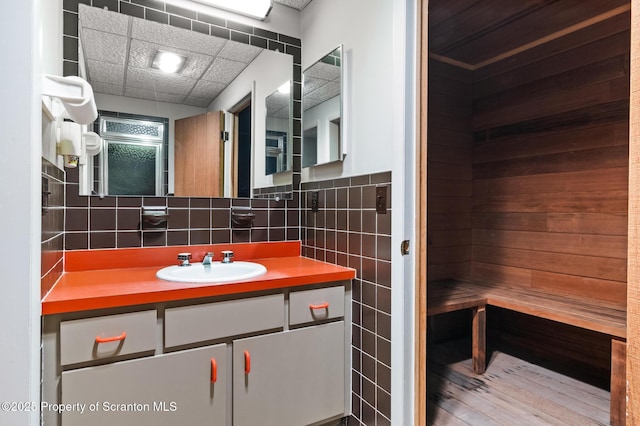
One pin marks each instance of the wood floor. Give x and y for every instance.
(512, 392)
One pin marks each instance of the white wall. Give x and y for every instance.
(269, 71)
(156, 109)
(321, 116)
(51, 62)
(378, 38)
(20, 165)
(364, 28)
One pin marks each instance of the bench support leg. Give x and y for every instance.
(479, 339)
(618, 413)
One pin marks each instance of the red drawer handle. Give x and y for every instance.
(247, 362)
(214, 370)
(325, 305)
(111, 339)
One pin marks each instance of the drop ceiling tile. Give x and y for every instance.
(323, 71)
(327, 91)
(223, 70)
(310, 103)
(142, 53)
(296, 4)
(312, 84)
(197, 102)
(154, 95)
(239, 52)
(103, 20)
(283, 113)
(152, 80)
(107, 88)
(207, 89)
(105, 72)
(276, 101)
(104, 46)
(178, 38)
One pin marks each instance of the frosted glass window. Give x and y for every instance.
(132, 161)
(132, 168)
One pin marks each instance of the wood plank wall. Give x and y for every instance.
(532, 188)
(449, 182)
(550, 165)
(633, 308)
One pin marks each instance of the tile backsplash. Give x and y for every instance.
(115, 222)
(52, 236)
(348, 231)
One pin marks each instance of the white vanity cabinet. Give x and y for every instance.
(277, 357)
(291, 378)
(182, 388)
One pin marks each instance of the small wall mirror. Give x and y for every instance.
(278, 141)
(322, 111)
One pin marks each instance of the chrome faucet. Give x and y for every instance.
(207, 258)
(227, 256)
(183, 259)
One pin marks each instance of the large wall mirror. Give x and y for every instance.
(322, 111)
(213, 112)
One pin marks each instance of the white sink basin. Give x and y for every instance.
(217, 272)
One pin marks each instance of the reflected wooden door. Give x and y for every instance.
(198, 156)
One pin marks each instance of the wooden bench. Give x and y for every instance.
(596, 315)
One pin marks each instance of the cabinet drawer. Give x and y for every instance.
(192, 324)
(97, 338)
(315, 305)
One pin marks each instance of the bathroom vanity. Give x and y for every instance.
(269, 351)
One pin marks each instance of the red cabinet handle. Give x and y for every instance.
(325, 305)
(247, 362)
(214, 370)
(111, 339)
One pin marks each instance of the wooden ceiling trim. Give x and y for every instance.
(571, 29)
(556, 35)
(476, 21)
(451, 61)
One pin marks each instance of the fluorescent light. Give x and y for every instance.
(168, 62)
(254, 8)
(285, 89)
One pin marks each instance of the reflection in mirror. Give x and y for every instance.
(132, 158)
(322, 110)
(118, 56)
(278, 136)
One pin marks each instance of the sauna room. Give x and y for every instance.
(527, 198)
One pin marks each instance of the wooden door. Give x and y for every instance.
(198, 156)
(172, 389)
(295, 377)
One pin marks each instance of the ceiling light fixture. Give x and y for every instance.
(258, 9)
(168, 62)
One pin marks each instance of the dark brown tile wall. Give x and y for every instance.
(347, 231)
(52, 237)
(115, 222)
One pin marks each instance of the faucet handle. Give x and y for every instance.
(227, 255)
(183, 259)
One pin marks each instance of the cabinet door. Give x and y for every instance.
(295, 377)
(172, 389)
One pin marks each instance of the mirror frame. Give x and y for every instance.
(218, 27)
(308, 126)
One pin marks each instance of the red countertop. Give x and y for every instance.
(98, 279)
